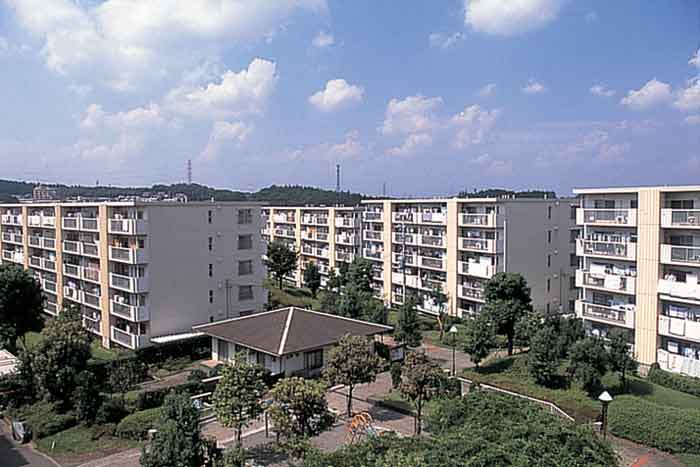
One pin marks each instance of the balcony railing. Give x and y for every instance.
(483, 245)
(675, 254)
(128, 255)
(345, 257)
(127, 226)
(41, 221)
(345, 239)
(344, 222)
(71, 270)
(478, 220)
(372, 216)
(285, 233)
(12, 238)
(42, 242)
(675, 363)
(13, 256)
(471, 293)
(11, 219)
(127, 339)
(432, 240)
(51, 308)
(433, 263)
(373, 254)
(611, 282)
(314, 220)
(624, 217)
(481, 270)
(91, 299)
(404, 216)
(373, 235)
(401, 238)
(678, 327)
(687, 290)
(129, 312)
(71, 247)
(49, 286)
(433, 218)
(611, 249)
(687, 218)
(622, 315)
(91, 274)
(128, 283)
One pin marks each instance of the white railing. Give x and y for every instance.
(401, 238)
(129, 312)
(13, 256)
(373, 235)
(400, 216)
(689, 290)
(128, 255)
(678, 327)
(128, 283)
(433, 263)
(344, 222)
(11, 219)
(483, 245)
(372, 216)
(680, 218)
(611, 282)
(623, 217)
(471, 293)
(127, 226)
(71, 270)
(91, 299)
(127, 339)
(478, 220)
(10, 237)
(90, 224)
(676, 254)
(622, 315)
(90, 274)
(345, 239)
(677, 363)
(611, 249)
(432, 240)
(373, 254)
(434, 217)
(482, 270)
(345, 257)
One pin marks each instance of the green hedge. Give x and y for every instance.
(667, 428)
(686, 384)
(136, 425)
(43, 419)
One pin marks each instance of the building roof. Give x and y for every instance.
(635, 189)
(288, 330)
(8, 363)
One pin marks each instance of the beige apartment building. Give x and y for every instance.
(639, 262)
(327, 236)
(140, 272)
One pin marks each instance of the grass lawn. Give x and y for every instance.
(292, 296)
(690, 460)
(394, 399)
(81, 444)
(98, 352)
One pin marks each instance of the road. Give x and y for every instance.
(15, 455)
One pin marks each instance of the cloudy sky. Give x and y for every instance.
(427, 97)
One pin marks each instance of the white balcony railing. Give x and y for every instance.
(373, 235)
(10, 237)
(432, 263)
(683, 255)
(344, 256)
(407, 216)
(678, 327)
(345, 239)
(129, 312)
(90, 274)
(407, 238)
(622, 217)
(433, 218)
(471, 293)
(621, 315)
(91, 300)
(344, 222)
(675, 363)
(91, 249)
(686, 218)
(128, 283)
(372, 216)
(432, 240)
(478, 220)
(71, 270)
(127, 226)
(127, 339)
(482, 245)
(481, 270)
(128, 255)
(16, 256)
(372, 254)
(609, 282)
(688, 290)
(609, 249)
(11, 219)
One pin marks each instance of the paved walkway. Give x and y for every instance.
(13, 454)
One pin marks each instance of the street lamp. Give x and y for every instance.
(605, 398)
(453, 331)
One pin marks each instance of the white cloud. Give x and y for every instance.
(473, 124)
(688, 99)
(222, 132)
(323, 40)
(445, 41)
(493, 166)
(613, 152)
(4, 45)
(487, 90)
(238, 93)
(126, 43)
(338, 93)
(138, 118)
(591, 17)
(692, 120)
(413, 114)
(351, 147)
(602, 90)
(412, 144)
(695, 59)
(534, 87)
(509, 17)
(654, 92)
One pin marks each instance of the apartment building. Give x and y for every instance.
(140, 270)
(457, 245)
(639, 262)
(327, 236)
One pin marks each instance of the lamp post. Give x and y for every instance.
(453, 331)
(605, 398)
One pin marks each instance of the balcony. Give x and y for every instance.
(71, 270)
(11, 219)
(372, 254)
(285, 233)
(345, 239)
(373, 235)
(471, 293)
(51, 308)
(127, 339)
(310, 251)
(42, 263)
(411, 280)
(675, 363)
(284, 219)
(680, 255)
(481, 270)
(128, 283)
(608, 282)
(401, 238)
(46, 243)
(314, 220)
(679, 328)
(345, 222)
(88, 224)
(128, 255)
(477, 220)
(432, 263)
(433, 218)
(432, 240)
(14, 238)
(90, 274)
(607, 249)
(48, 286)
(91, 300)
(71, 293)
(688, 290)
(621, 315)
(685, 218)
(127, 226)
(344, 257)
(372, 216)
(481, 245)
(71, 247)
(13, 256)
(616, 217)
(129, 312)
(41, 221)
(409, 217)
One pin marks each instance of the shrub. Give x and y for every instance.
(111, 411)
(396, 370)
(667, 428)
(154, 398)
(686, 384)
(136, 425)
(382, 350)
(43, 420)
(195, 349)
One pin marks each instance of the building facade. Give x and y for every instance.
(140, 270)
(327, 236)
(639, 261)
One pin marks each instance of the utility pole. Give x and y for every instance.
(227, 286)
(189, 171)
(337, 178)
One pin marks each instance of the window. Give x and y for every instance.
(572, 214)
(211, 270)
(549, 261)
(549, 236)
(549, 285)
(572, 305)
(549, 212)
(547, 308)
(572, 282)
(245, 216)
(211, 243)
(245, 267)
(604, 204)
(633, 204)
(245, 242)
(245, 292)
(573, 260)
(223, 350)
(313, 360)
(211, 296)
(573, 235)
(209, 216)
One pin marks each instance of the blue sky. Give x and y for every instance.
(427, 97)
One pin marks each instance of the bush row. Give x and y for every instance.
(667, 428)
(685, 384)
(42, 420)
(136, 425)
(144, 400)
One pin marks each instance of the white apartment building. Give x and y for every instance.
(327, 236)
(140, 270)
(457, 245)
(639, 262)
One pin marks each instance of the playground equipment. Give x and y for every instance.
(360, 425)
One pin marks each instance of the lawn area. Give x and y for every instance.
(98, 352)
(690, 460)
(291, 296)
(80, 444)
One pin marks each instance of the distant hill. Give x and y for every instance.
(289, 195)
(500, 193)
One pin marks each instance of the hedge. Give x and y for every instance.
(667, 428)
(150, 399)
(136, 426)
(43, 419)
(686, 384)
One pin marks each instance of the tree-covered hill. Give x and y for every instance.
(500, 193)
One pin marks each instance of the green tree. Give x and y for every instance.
(527, 326)
(407, 331)
(21, 305)
(543, 358)
(178, 441)
(280, 261)
(619, 356)
(440, 299)
(351, 362)
(359, 275)
(420, 377)
(507, 300)
(568, 331)
(61, 355)
(312, 278)
(589, 362)
(235, 456)
(479, 339)
(124, 374)
(299, 411)
(239, 395)
(86, 397)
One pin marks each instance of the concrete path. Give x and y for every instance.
(13, 454)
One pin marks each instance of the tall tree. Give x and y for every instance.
(21, 305)
(61, 355)
(86, 397)
(619, 356)
(312, 278)
(440, 299)
(407, 331)
(507, 300)
(351, 362)
(299, 411)
(527, 326)
(480, 338)
(239, 395)
(125, 374)
(280, 261)
(178, 441)
(589, 362)
(359, 275)
(420, 377)
(543, 358)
